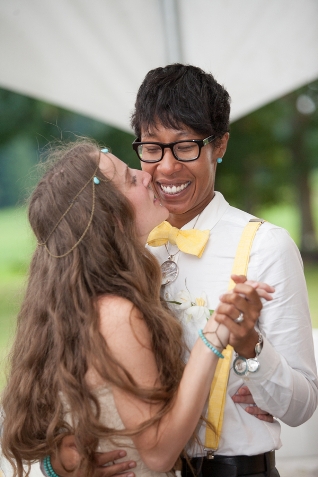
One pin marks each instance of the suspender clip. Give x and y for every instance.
(257, 220)
(210, 454)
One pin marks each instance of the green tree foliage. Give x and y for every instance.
(271, 155)
(28, 125)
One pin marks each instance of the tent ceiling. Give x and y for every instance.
(91, 56)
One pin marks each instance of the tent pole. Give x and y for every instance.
(172, 32)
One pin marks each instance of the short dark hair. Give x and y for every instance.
(179, 95)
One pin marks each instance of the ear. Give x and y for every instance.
(220, 150)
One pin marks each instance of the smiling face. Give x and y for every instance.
(137, 187)
(184, 188)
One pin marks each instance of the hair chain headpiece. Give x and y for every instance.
(95, 181)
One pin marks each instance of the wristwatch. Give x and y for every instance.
(243, 366)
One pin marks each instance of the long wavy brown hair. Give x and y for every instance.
(58, 335)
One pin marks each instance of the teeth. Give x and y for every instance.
(173, 189)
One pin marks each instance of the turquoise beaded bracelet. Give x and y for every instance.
(209, 345)
(48, 467)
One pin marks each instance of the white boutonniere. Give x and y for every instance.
(191, 308)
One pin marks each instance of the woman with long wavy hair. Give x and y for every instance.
(97, 352)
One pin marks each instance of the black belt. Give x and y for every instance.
(218, 465)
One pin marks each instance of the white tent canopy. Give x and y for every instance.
(91, 56)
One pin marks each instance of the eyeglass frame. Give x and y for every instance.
(200, 142)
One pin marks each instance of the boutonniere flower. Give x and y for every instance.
(193, 308)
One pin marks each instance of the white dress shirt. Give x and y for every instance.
(286, 383)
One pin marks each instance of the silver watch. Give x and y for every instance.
(243, 366)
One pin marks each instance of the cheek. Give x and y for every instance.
(150, 168)
(204, 172)
(140, 200)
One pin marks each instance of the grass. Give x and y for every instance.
(17, 244)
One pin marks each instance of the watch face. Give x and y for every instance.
(252, 365)
(240, 366)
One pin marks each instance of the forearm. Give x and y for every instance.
(160, 446)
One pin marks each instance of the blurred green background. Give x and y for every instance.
(270, 169)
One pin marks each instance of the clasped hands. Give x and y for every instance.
(243, 301)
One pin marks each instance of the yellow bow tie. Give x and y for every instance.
(189, 241)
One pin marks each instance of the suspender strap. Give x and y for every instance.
(220, 380)
(244, 249)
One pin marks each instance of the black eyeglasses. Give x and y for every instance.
(184, 151)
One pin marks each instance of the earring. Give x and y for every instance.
(219, 160)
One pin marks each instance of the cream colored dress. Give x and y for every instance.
(110, 418)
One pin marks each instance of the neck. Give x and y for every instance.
(143, 239)
(179, 220)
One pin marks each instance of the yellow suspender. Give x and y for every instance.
(220, 380)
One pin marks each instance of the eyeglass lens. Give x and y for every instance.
(186, 151)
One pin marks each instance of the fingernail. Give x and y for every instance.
(132, 464)
(131, 475)
(122, 453)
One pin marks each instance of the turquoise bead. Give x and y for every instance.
(96, 180)
(209, 345)
(48, 467)
(105, 150)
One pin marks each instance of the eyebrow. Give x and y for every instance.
(179, 133)
(126, 174)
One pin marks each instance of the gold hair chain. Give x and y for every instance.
(95, 181)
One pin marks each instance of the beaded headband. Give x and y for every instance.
(95, 181)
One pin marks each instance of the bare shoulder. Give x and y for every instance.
(128, 339)
(114, 304)
(117, 314)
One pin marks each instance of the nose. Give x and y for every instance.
(168, 164)
(146, 178)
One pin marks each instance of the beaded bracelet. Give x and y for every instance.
(209, 345)
(48, 467)
(215, 346)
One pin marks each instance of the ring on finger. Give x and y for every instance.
(239, 319)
